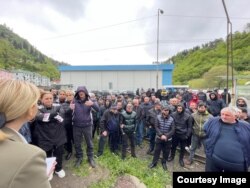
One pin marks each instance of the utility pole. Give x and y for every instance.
(157, 48)
(229, 54)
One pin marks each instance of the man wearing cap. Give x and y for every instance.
(109, 125)
(150, 121)
(164, 126)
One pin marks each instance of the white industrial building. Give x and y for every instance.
(117, 77)
(32, 77)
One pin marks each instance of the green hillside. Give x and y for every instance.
(18, 53)
(193, 63)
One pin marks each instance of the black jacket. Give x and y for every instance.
(52, 133)
(183, 124)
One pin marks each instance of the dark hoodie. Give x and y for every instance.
(82, 113)
(183, 123)
(215, 105)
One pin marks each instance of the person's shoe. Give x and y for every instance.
(61, 173)
(92, 163)
(99, 154)
(134, 156)
(78, 162)
(170, 158)
(164, 166)
(152, 165)
(68, 156)
(181, 162)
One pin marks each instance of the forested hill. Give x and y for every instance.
(193, 63)
(18, 53)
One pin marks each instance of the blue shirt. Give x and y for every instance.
(228, 147)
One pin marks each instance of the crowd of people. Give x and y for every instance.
(168, 118)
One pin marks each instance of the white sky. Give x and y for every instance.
(113, 32)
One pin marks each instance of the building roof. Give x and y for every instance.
(116, 67)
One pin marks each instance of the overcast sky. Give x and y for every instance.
(113, 32)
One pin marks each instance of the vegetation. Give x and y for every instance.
(18, 53)
(192, 64)
(137, 167)
(117, 167)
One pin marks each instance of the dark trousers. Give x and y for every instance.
(113, 142)
(215, 165)
(152, 134)
(175, 142)
(78, 133)
(125, 138)
(58, 153)
(70, 140)
(95, 128)
(163, 146)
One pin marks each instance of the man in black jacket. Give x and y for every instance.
(183, 130)
(164, 126)
(110, 126)
(150, 121)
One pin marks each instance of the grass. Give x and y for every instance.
(156, 177)
(117, 167)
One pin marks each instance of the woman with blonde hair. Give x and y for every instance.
(22, 165)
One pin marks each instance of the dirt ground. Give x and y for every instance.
(97, 174)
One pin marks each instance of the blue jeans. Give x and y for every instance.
(139, 133)
(152, 134)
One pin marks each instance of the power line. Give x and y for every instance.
(139, 19)
(118, 47)
(164, 42)
(204, 17)
(97, 28)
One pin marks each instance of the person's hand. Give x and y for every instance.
(104, 133)
(88, 103)
(52, 169)
(53, 114)
(163, 137)
(72, 106)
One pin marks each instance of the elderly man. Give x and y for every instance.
(227, 143)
